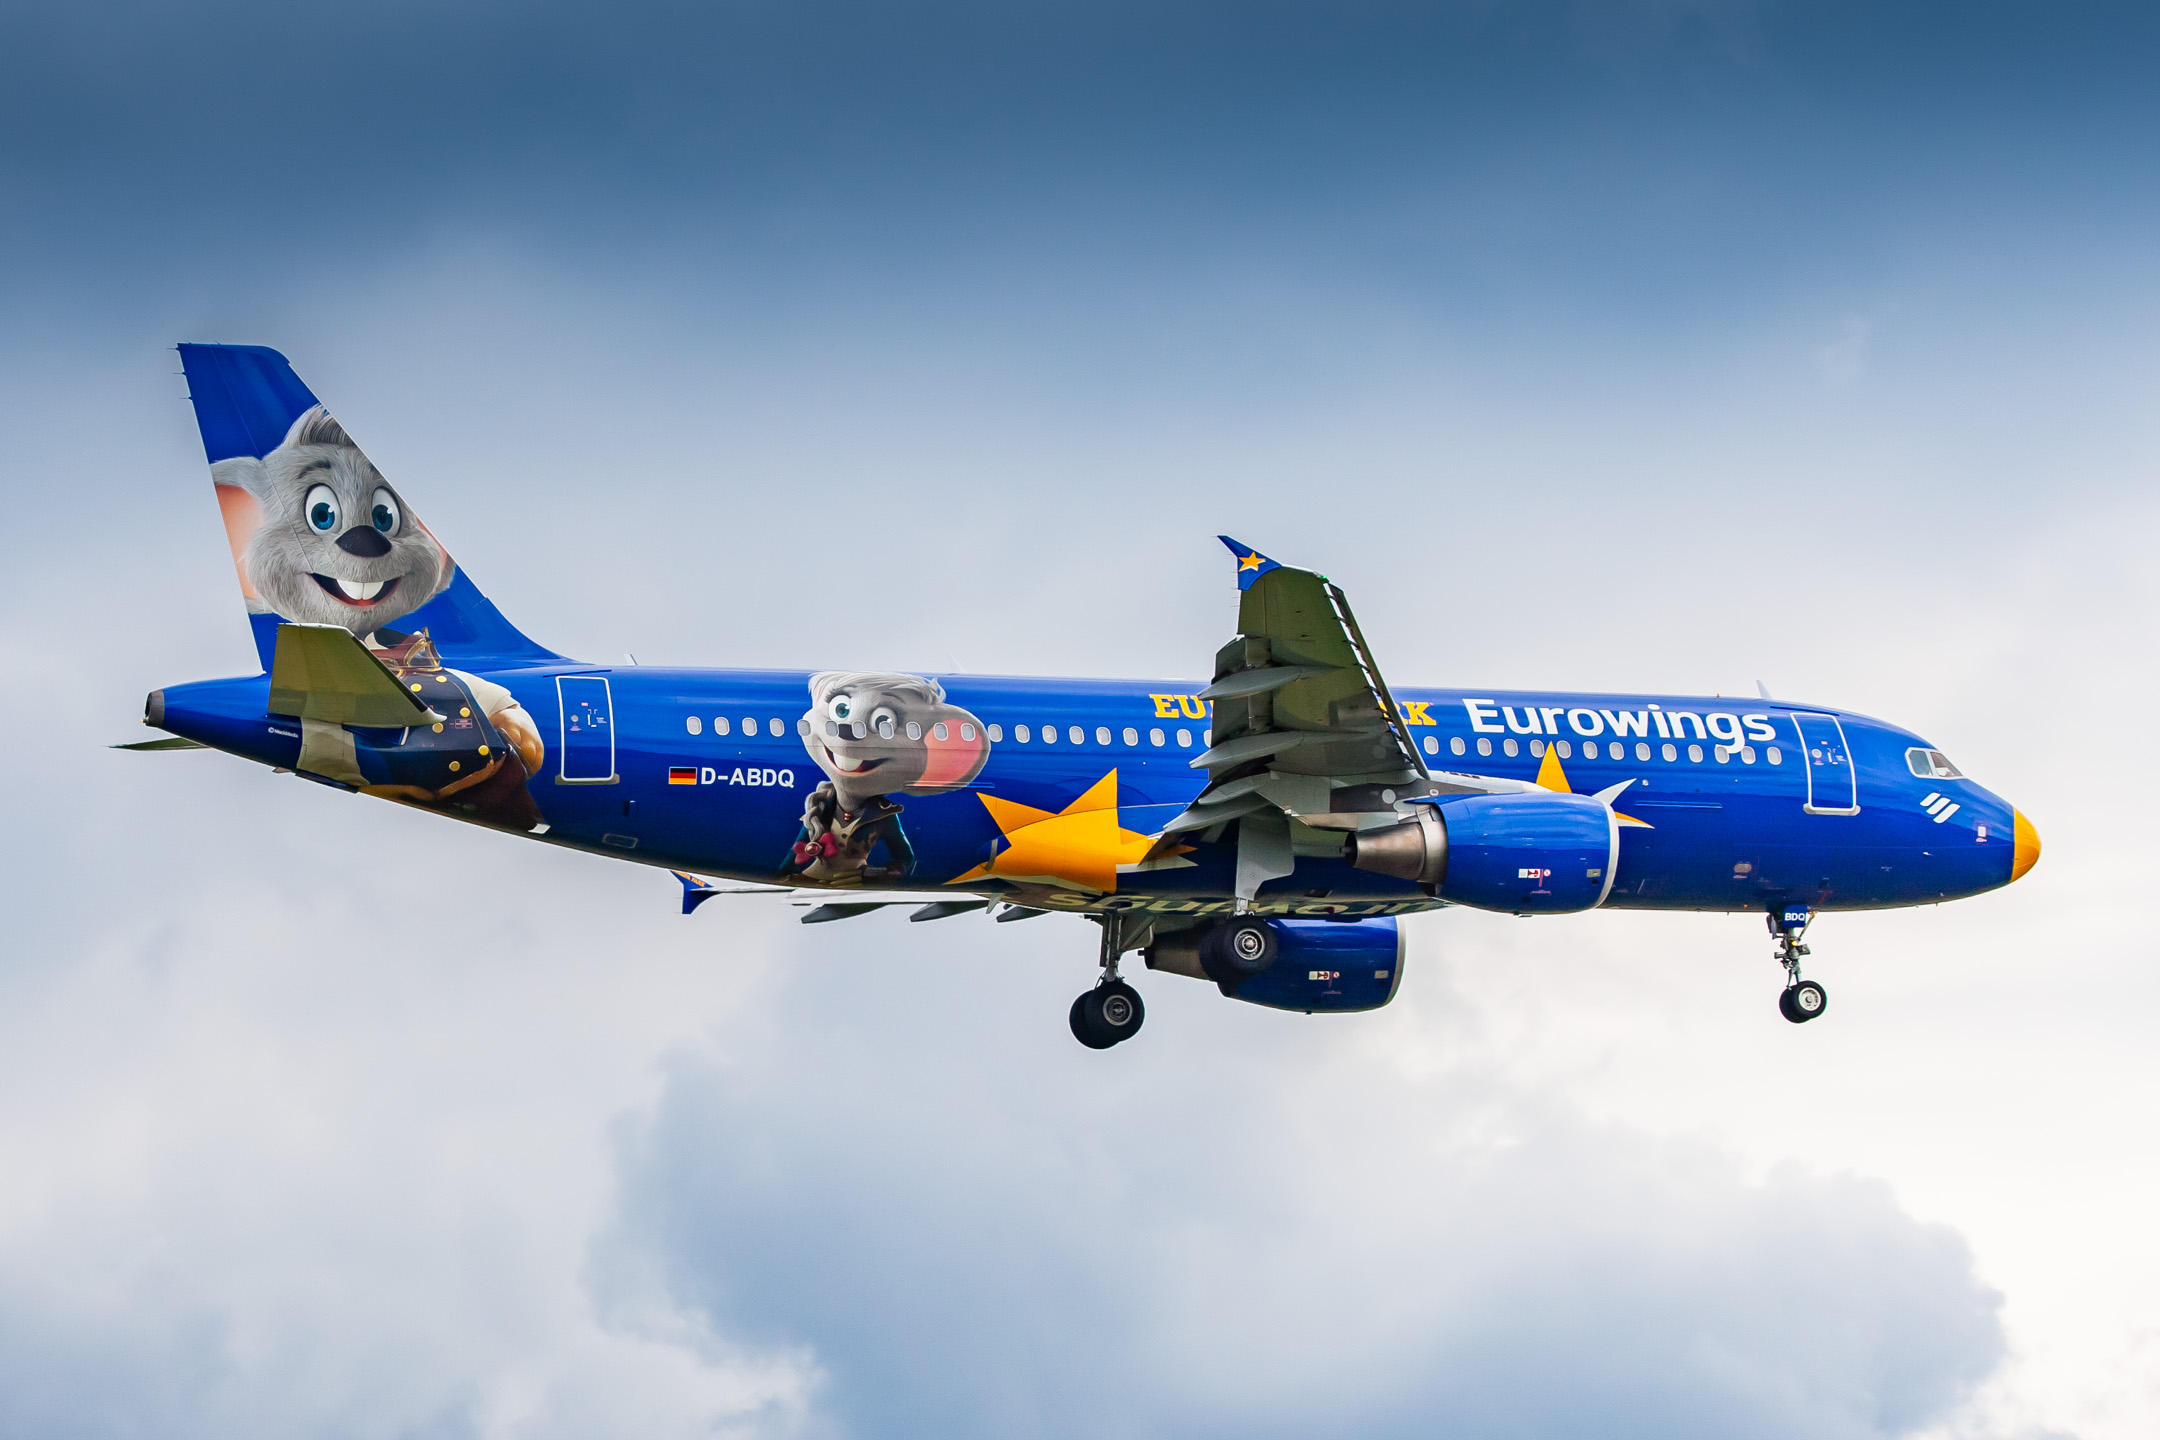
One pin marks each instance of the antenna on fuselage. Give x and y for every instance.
(1763, 690)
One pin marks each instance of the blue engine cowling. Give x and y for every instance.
(1319, 965)
(1538, 853)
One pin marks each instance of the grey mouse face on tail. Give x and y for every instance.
(877, 733)
(337, 544)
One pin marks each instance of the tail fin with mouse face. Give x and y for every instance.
(318, 536)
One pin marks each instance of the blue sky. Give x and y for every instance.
(1654, 345)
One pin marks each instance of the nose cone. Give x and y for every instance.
(2025, 846)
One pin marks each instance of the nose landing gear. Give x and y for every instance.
(1111, 1012)
(1801, 1000)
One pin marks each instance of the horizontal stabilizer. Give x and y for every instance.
(320, 672)
(170, 742)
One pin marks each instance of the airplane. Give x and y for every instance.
(1262, 830)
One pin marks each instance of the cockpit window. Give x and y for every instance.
(1932, 765)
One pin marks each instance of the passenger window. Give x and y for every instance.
(1774, 755)
(1132, 736)
(1184, 739)
(1562, 747)
(996, 733)
(1484, 747)
(940, 731)
(1456, 745)
(1694, 754)
(1155, 737)
(749, 727)
(1020, 733)
(1432, 746)
(914, 731)
(1049, 734)
(777, 728)
(1669, 753)
(1589, 749)
(694, 724)
(967, 731)
(1078, 736)
(1537, 747)
(720, 725)
(1508, 745)
(1102, 734)
(1642, 751)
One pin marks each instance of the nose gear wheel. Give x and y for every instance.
(1801, 1000)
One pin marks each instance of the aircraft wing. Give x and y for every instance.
(1306, 737)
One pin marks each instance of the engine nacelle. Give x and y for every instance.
(1543, 853)
(1319, 965)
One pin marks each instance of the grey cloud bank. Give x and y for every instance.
(1292, 1236)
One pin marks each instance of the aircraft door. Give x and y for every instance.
(1832, 789)
(588, 730)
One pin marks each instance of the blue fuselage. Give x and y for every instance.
(1743, 806)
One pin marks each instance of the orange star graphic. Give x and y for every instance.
(1081, 845)
(1552, 777)
(1250, 562)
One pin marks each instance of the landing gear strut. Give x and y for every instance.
(1801, 1000)
(1111, 1012)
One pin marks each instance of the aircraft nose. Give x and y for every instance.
(2025, 844)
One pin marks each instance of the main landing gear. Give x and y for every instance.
(1801, 1000)
(1111, 1012)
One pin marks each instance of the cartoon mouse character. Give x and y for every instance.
(875, 736)
(320, 537)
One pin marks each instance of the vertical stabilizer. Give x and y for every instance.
(318, 535)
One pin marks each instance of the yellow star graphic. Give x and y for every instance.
(1552, 777)
(1081, 845)
(1251, 562)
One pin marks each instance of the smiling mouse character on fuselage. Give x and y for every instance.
(876, 735)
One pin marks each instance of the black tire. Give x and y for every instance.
(1236, 950)
(1784, 1007)
(1083, 1031)
(1107, 1015)
(1809, 1000)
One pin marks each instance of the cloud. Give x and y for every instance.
(1284, 1233)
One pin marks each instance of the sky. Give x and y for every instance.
(1626, 346)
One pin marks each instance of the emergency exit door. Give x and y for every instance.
(588, 730)
(1832, 788)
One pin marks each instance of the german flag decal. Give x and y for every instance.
(682, 775)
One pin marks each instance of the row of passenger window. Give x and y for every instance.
(1612, 750)
(1024, 734)
(1078, 735)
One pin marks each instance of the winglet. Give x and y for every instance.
(695, 892)
(1251, 564)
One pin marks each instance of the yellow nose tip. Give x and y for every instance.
(2025, 849)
